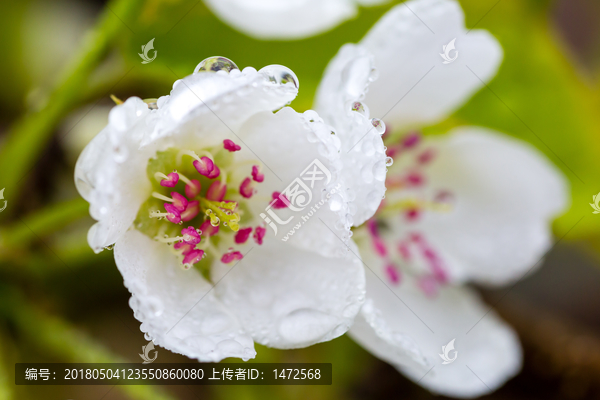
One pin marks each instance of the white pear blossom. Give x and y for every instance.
(289, 19)
(470, 206)
(178, 185)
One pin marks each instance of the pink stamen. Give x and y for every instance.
(435, 263)
(259, 234)
(404, 251)
(191, 211)
(209, 230)
(392, 273)
(416, 238)
(173, 214)
(179, 201)
(426, 156)
(190, 236)
(372, 226)
(231, 256)
(414, 179)
(411, 140)
(242, 235)
(246, 188)
(281, 201)
(193, 190)
(229, 145)
(412, 215)
(171, 181)
(182, 245)
(206, 167)
(216, 191)
(193, 256)
(215, 173)
(380, 247)
(256, 175)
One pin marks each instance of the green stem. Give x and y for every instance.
(41, 223)
(29, 135)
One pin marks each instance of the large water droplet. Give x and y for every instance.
(355, 76)
(215, 64)
(378, 125)
(155, 307)
(389, 161)
(379, 170)
(306, 325)
(280, 75)
(358, 107)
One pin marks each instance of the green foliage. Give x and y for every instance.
(539, 96)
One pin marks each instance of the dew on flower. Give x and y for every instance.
(215, 64)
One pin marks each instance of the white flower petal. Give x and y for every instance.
(287, 144)
(414, 86)
(409, 331)
(231, 97)
(99, 176)
(506, 196)
(177, 307)
(342, 88)
(202, 110)
(286, 297)
(275, 19)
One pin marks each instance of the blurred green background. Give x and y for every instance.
(62, 59)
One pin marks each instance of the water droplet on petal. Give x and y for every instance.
(389, 161)
(378, 125)
(215, 64)
(155, 306)
(306, 325)
(335, 202)
(379, 170)
(280, 75)
(374, 75)
(358, 107)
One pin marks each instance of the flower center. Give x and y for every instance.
(198, 201)
(409, 197)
